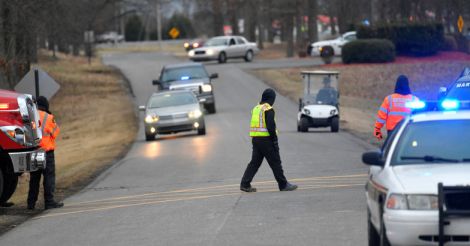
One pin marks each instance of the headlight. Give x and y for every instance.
(206, 88)
(186, 45)
(149, 119)
(210, 52)
(307, 111)
(412, 202)
(320, 48)
(191, 53)
(15, 134)
(195, 114)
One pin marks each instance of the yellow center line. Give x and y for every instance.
(220, 186)
(189, 198)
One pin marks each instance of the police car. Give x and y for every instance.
(459, 90)
(418, 191)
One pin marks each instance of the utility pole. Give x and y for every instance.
(159, 22)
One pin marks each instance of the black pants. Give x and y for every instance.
(263, 147)
(48, 181)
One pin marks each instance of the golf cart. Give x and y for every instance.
(319, 106)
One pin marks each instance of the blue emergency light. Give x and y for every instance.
(416, 105)
(450, 104)
(184, 77)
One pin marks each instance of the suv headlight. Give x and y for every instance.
(195, 114)
(191, 53)
(412, 202)
(151, 119)
(206, 88)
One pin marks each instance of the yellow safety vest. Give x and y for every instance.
(258, 121)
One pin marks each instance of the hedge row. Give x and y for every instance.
(368, 51)
(417, 39)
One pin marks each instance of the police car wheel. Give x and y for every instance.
(383, 233)
(201, 131)
(372, 235)
(303, 125)
(149, 137)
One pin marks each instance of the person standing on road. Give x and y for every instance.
(50, 131)
(265, 144)
(393, 108)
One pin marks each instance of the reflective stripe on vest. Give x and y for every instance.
(258, 121)
(44, 121)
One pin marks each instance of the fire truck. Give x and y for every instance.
(20, 134)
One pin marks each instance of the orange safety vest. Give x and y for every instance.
(50, 131)
(393, 110)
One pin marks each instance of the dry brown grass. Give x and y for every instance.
(363, 87)
(96, 117)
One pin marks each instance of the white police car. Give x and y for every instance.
(418, 192)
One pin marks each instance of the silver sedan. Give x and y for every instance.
(223, 48)
(171, 112)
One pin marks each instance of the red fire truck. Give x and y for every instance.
(20, 134)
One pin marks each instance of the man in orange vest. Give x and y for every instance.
(393, 108)
(50, 131)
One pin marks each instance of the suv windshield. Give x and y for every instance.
(434, 142)
(183, 73)
(460, 90)
(171, 100)
(217, 42)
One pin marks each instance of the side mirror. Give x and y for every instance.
(156, 82)
(373, 158)
(442, 92)
(214, 76)
(141, 108)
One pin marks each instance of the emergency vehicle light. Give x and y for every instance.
(450, 104)
(184, 77)
(4, 106)
(416, 105)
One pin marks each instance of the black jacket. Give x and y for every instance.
(269, 96)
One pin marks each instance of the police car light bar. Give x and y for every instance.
(450, 104)
(416, 105)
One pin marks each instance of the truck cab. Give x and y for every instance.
(20, 134)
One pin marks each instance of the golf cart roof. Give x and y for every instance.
(320, 72)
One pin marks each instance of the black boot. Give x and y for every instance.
(6, 204)
(248, 189)
(54, 205)
(290, 187)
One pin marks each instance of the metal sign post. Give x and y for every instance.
(36, 82)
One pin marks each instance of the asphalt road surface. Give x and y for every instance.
(184, 189)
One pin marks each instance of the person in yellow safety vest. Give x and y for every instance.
(265, 144)
(50, 131)
(393, 108)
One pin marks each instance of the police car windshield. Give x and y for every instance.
(183, 73)
(445, 141)
(172, 100)
(460, 91)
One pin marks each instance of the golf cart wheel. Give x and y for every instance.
(222, 57)
(149, 137)
(201, 131)
(211, 108)
(335, 124)
(303, 127)
(249, 56)
(298, 128)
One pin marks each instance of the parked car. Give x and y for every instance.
(20, 134)
(418, 192)
(171, 112)
(110, 37)
(189, 76)
(337, 44)
(193, 44)
(223, 48)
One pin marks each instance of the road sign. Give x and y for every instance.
(460, 23)
(174, 33)
(46, 85)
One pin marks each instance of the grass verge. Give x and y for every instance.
(98, 124)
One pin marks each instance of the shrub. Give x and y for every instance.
(416, 39)
(368, 51)
(135, 30)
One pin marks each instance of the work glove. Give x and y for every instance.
(378, 134)
(276, 145)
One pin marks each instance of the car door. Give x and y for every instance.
(231, 48)
(241, 47)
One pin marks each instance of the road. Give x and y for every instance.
(183, 190)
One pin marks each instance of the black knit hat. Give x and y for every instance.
(402, 86)
(43, 103)
(269, 96)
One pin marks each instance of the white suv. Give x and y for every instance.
(426, 150)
